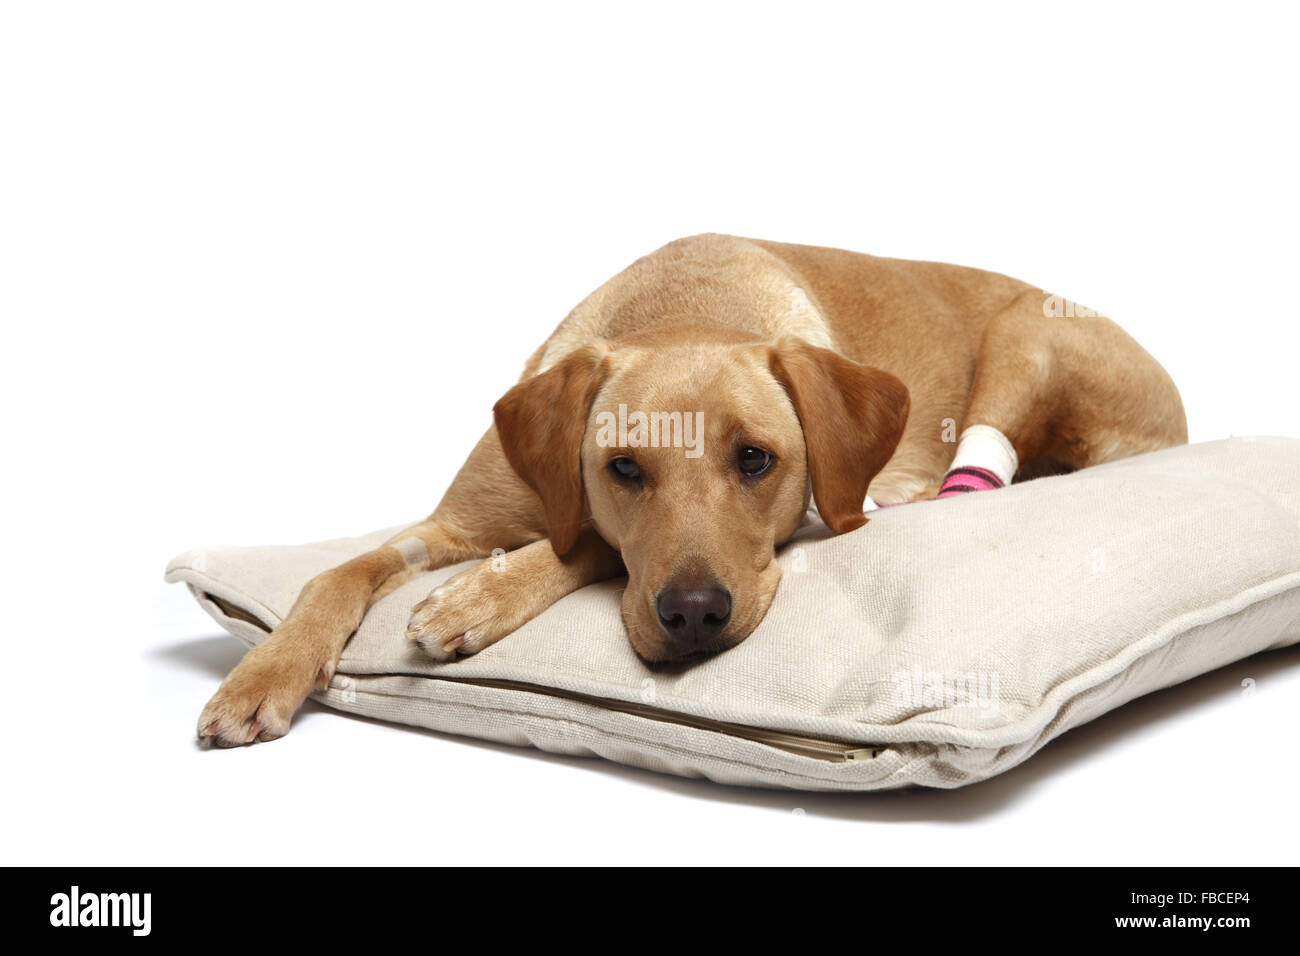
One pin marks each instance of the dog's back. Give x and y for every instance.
(920, 321)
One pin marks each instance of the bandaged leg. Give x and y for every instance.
(984, 460)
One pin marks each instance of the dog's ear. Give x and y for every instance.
(852, 417)
(540, 423)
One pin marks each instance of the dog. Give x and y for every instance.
(677, 423)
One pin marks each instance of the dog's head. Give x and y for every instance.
(695, 461)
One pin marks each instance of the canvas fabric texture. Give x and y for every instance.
(943, 643)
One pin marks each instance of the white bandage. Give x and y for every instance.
(413, 551)
(983, 446)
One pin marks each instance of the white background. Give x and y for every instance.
(264, 267)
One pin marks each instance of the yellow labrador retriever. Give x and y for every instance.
(676, 424)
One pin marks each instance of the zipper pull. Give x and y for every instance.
(863, 753)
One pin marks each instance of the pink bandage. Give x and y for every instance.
(966, 479)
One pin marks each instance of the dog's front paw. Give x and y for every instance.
(257, 701)
(467, 613)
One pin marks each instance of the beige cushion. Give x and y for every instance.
(943, 643)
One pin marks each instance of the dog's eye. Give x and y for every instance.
(753, 461)
(625, 469)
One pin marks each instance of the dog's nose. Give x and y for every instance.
(693, 612)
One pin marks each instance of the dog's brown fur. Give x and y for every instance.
(853, 371)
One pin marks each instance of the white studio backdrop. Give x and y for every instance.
(264, 268)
